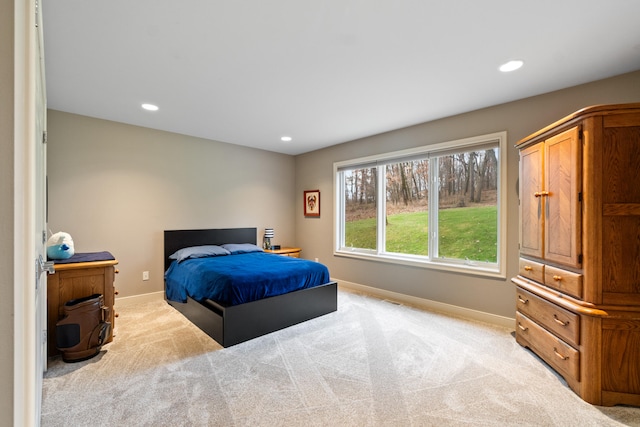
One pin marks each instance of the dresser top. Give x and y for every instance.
(594, 110)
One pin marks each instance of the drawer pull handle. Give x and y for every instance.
(560, 355)
(523, 301)
(557, 278)
(528, 268)
(558, 321)
(523, 328)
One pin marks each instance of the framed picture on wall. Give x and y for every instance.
(312, 203)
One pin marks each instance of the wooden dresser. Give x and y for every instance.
(578, 287)
(76, 280)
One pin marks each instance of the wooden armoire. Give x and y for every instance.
(578, 285)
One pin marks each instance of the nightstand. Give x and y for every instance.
(292, 252)
(76, 280)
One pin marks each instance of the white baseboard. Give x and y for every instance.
(139, 299)
(430, 305)
(375, 292)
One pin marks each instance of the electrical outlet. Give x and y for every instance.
(145, 275)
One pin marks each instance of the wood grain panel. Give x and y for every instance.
(563, 177)
(531, 218)
(621, 209)
(77, 284)
(621, 120)
(621, 348)
(621, 165)
(621, 258)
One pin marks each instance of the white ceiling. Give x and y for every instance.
(326, 71)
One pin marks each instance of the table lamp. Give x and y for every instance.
(268, 235)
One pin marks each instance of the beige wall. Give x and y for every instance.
(116, 187)
(6, 211)
(315, 171)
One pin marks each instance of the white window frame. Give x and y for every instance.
(497, 269)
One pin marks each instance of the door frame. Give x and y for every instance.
(24, 345)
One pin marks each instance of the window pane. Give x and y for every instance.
(467, 206)
(406, 213)
(360, 189)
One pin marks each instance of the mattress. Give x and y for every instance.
(240, 278)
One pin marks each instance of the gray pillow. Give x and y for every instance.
(199, 252)
(241, 248)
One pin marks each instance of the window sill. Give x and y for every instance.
(476, 270)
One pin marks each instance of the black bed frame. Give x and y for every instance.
(231, 325)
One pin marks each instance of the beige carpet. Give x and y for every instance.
(371, 363)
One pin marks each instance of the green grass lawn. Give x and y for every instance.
(464, 233)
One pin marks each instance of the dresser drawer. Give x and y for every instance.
(563, 280)
(561, 322)
(557, 353)
(532, 270)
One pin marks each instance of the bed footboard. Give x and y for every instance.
(247, 321)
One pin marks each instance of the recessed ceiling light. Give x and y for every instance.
(511, 66)
(150, 107)
(285, 138)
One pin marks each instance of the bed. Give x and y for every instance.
(232, 322)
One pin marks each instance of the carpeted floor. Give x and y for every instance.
(371, 363)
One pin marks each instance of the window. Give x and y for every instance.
(439, 206)
(360, 195)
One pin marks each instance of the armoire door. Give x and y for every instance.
(531, 218)
(561, 198)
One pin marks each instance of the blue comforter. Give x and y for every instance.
(239, 278)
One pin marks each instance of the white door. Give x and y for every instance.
(40, 226)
